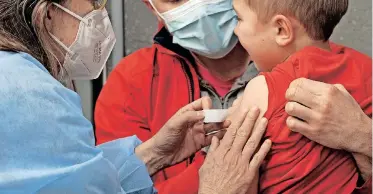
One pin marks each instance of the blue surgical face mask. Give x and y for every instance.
(205, 27)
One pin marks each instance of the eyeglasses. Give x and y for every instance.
(99, 4)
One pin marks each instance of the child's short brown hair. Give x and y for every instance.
(318, 17)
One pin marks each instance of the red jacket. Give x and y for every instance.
(141, 94)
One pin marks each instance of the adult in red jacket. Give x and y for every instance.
(150, 85)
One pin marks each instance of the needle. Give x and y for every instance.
(214, 132)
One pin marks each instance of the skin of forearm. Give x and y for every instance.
(364, 164)
(367, 147)
(362, 142)
(363, 154)
(146, 153)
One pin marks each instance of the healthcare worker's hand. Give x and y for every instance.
(329, 115)
(183, 135)
(232, 164)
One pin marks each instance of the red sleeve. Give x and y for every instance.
(278, 81)
(186, 182)
(118, 112)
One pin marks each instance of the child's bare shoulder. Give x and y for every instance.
(256, 94)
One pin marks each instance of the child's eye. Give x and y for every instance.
(238, 18)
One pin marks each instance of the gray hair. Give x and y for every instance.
(17, 36)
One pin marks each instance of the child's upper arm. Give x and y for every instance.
(256, 94)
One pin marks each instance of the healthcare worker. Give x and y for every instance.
(47, 144)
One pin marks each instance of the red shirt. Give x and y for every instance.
(295, 163)
(221, 87)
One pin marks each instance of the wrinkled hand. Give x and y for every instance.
(182, 136)
(231, 166)
(329, 115)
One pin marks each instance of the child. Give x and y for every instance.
(288, 39)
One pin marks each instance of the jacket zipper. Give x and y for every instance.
(223, 100)
(189, 77)
(211, 90)
(190, 81)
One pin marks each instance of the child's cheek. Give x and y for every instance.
(246, 38)
(239, 33)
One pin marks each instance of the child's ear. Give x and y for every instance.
(284, 30)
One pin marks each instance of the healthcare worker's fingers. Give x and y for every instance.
(214, 145)
(206, 103)
(255, 139)
(297, 110)
(260, 155)
(237, 101)
(179, 121)
(235, 105)
(200, 104)
(236, 121)
(211, 127)
(219, 135)
(244, 131)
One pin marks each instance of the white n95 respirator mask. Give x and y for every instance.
(88, 54)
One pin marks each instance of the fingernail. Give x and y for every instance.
(268, 141)
(243, 110)
(289, 107)
(200, 114)
(264, 121)
(254, 109)
(228, 123)
(289, 122)
(206, 98)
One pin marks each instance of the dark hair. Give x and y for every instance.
(319, 17)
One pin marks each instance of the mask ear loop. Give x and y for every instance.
(71, 13)
(152, 4)
(61, 44)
